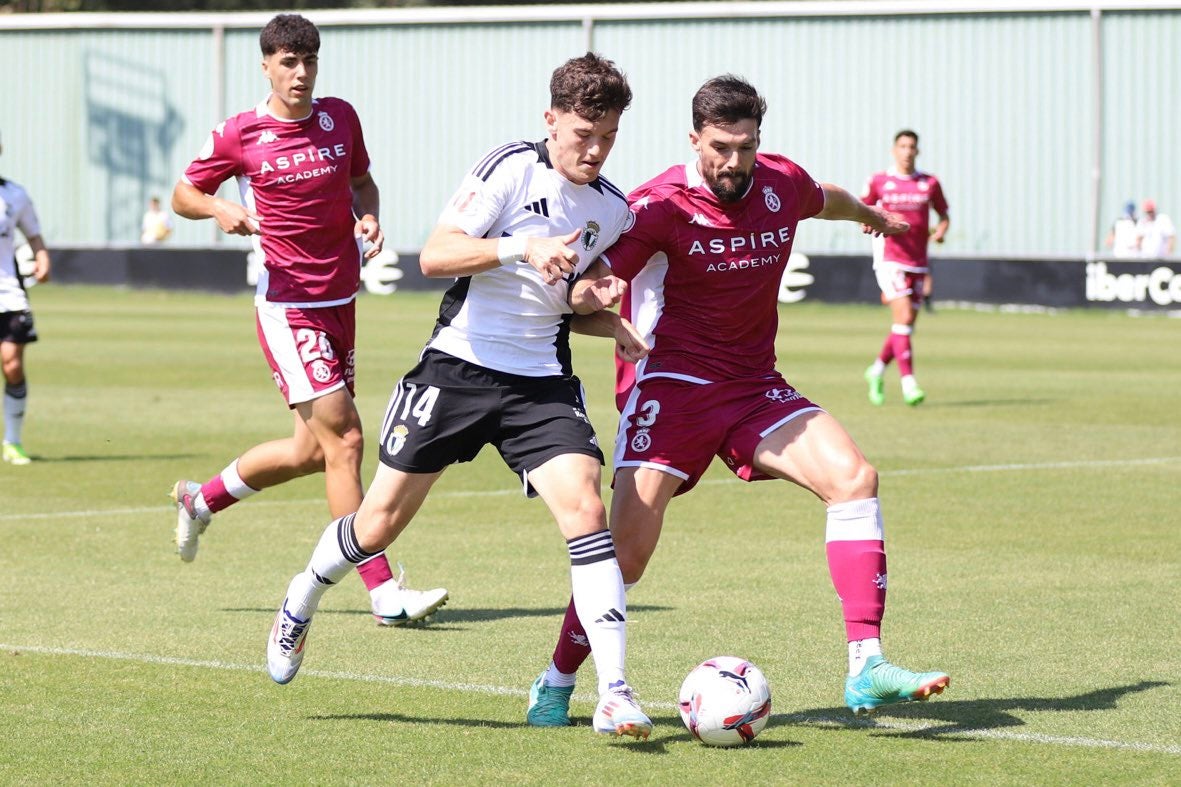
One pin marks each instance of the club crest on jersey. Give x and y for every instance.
(326, 121)
(772, 201)
(590, 235)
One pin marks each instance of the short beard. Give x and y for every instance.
(732, 191)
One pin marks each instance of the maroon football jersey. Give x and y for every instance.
(295, 176)
(705, 274)
(913, 196)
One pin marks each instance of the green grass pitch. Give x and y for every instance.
(1032, 511)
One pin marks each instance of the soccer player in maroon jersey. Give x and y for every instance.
(309, 203)
(704, 259)
(900, 261)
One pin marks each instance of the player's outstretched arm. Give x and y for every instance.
(596, 289)
(451, 252)
(192, 203)
(840, 205)
(629, 344)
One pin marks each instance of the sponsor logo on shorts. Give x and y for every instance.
(783, 395)
(320, 372)
(278, 380)
(641, 441)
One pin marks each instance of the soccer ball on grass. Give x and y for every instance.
(725, 701)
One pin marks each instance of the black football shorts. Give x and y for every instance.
(445, 410)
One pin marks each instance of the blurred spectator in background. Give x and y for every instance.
(156, 224)
(1157, 235)
(1123, 239)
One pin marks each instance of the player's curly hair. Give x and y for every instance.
(289, 33)
(725, 100)
(589, 86)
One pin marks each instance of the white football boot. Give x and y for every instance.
(190, 523)
(394, 604)
(285, 648)
(618, 713)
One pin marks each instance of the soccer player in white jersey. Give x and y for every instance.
(524, 223)
(308, 202)
(900, 261)
(16, 319)
(705, 257)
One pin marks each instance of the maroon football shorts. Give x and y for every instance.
(311, 351)
(678, 427)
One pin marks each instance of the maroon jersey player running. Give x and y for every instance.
(704, 259)
(309, 202)
(900, 261)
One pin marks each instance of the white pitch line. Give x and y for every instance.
(476, 688)
(1081, 464)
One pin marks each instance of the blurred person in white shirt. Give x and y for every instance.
(1158, 236)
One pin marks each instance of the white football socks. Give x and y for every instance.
(860, 650)
(234, 484)
(597, 586)
(14, 411)
(336, 554)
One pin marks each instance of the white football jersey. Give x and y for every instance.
(508, 319)
(16, 212)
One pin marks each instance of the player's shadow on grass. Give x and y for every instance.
(654, 745)
(109, 457)
(446, 617)
(959, 718)
(400, 717)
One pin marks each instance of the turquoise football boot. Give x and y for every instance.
(549, 706)
(881, 683)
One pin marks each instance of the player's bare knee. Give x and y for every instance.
(375, 530)
(352, 442)
(862, 481)
(855, 479)
(14, 372)
(585, 517)
(631, 566)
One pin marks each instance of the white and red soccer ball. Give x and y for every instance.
(725, 701)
